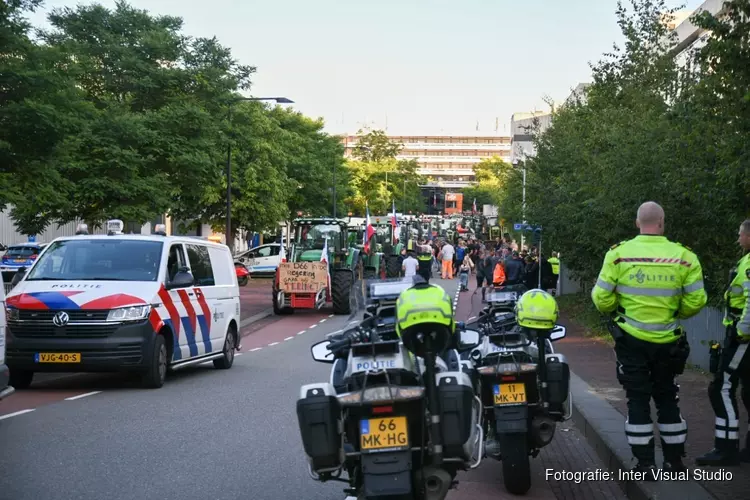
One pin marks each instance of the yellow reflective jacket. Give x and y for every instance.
(650, 282)
(736, 297)
(555, 263)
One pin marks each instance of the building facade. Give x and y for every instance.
(446, 162)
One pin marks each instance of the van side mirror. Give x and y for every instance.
(18, 276)
(557, 333)
(183, 279)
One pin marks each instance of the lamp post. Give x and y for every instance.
(523, 201)
(228, 230)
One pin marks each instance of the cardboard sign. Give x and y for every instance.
(303, 277)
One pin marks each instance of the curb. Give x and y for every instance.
(255, 318)
(604, 429)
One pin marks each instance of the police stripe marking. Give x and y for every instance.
(80, 396)
(15, 414)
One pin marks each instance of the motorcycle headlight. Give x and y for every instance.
(131, 313)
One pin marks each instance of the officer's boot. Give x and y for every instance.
(745, 452)
(673, 462)
(725, 452)
(646, 462)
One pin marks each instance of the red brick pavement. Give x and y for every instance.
(593, 360)
(255, 297)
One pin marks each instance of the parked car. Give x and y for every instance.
(263, 259)
(16, 257)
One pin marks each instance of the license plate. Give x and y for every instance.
(382, 433)
(20, 261)
(508, 394)
(57, 357)
(501, 297)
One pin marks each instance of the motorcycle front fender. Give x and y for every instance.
(512, 419)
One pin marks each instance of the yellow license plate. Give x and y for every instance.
(508, 394)
(58, 357)
(382, 433)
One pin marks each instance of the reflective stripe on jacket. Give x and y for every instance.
(650, 282)
(737, 293)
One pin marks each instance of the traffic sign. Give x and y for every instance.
(517, 226)
(526, 227)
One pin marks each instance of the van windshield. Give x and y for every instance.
(100, 260)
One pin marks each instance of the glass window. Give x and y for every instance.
(313, 236)
(110, 259)
(264, 252)
(200, 265)
(175, 261)
(21, 252)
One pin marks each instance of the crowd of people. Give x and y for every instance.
(501, 263)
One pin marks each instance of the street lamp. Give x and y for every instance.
(523, 202)
(228, 230)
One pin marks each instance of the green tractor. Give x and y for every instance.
(373, 262)
(344, 266)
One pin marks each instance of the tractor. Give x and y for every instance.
(373, 261)
(345, 266)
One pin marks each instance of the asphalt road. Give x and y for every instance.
(207, 434)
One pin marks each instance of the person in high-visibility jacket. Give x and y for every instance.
(555, 263)
(733, 366)
(647, 283)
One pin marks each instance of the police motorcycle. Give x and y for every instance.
(523, 393)
(394, 421)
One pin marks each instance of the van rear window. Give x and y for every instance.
(99, 260)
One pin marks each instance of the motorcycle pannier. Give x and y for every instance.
(456, 399)
(558, 381)
(319, 415)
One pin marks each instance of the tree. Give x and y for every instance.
(491, 177)
(375, 146)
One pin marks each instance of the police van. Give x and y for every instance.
(5, 389)
(116, 302)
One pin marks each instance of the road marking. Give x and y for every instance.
(312, 326)
(3, 417)
(300, 333)
(330, 315)
(256, 349)
(288, 339)
(238, 354)
(73, 398)
(273, 344)
(323, 320)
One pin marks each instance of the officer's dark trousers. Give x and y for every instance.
(644, 370)
(734, 367)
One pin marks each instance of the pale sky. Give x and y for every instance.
(419, 67)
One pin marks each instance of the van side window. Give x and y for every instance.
(200, 264)
(176, 261)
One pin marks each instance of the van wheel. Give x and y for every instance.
(156, 372)
(227, 360)
(20, 379)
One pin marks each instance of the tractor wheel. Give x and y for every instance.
(341, 291)
(279, 311)
(392, 268)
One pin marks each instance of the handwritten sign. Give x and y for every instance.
(302, 277)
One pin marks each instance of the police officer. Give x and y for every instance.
(733, 366)
(647, 283)
(424, 258)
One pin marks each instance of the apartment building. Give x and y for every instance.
(446, 161)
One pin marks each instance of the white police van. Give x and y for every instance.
(140, 303)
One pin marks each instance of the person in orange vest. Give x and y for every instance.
(498, 273)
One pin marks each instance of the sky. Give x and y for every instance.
(412, 67)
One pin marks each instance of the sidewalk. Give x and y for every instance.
(255, 297)
(593, 360)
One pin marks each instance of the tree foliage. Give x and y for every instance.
(491, 178)
(649, 129)
(379, 179)
(117, 113)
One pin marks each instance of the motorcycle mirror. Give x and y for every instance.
(468, 340)
(557, 333)
(321, 353)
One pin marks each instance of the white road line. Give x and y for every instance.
(256, 349)
(330, 315)
(73, 398)
(273, 344)
(288, 339)
(300, 333)
(3, 417)
(323, 320)
(238, 354)
(312, 326)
